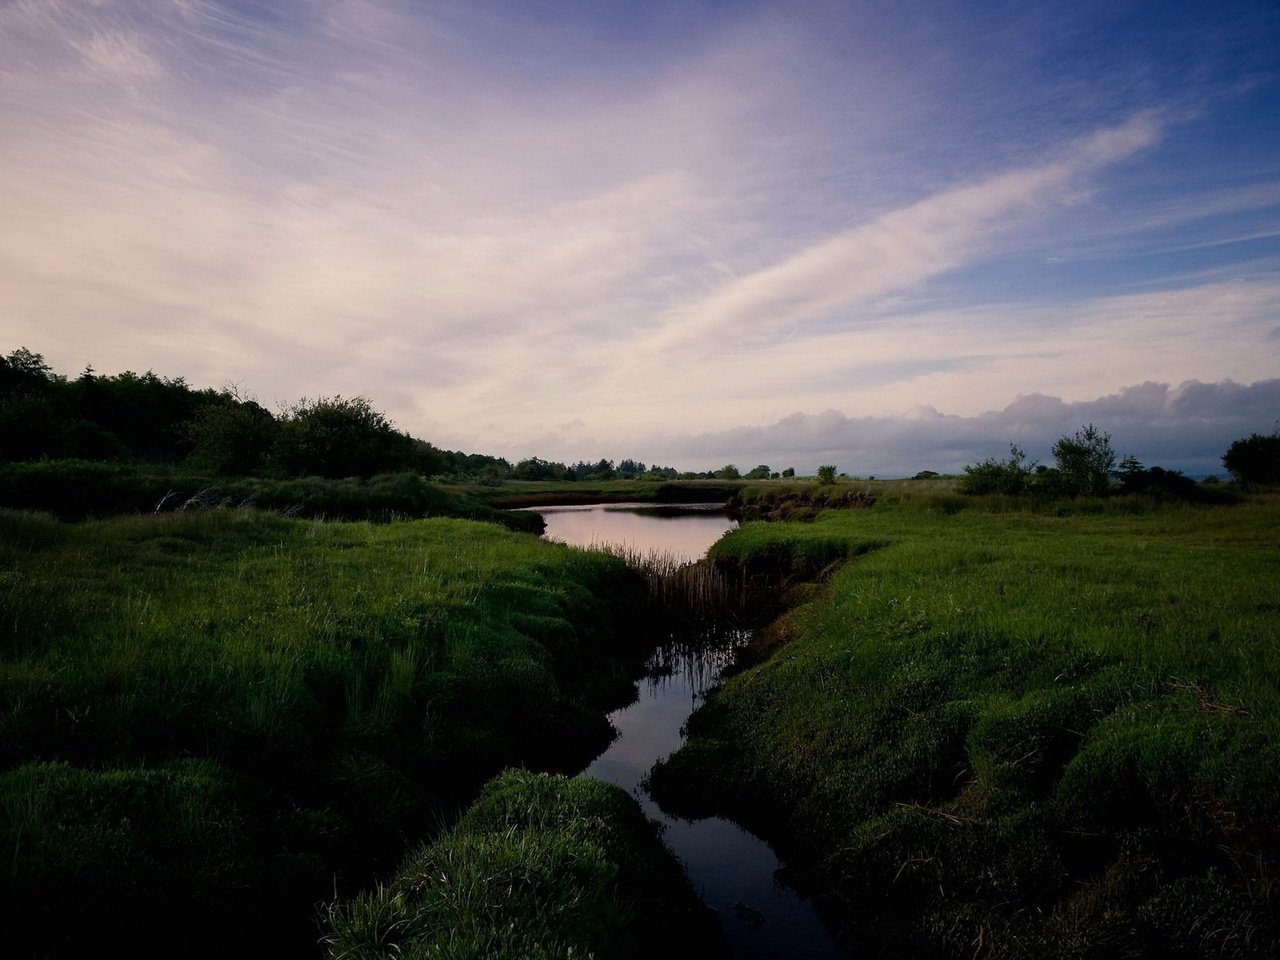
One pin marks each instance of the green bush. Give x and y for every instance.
(1085, 462)
(1010, 477)
(339, 437)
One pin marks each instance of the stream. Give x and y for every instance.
(733, 870)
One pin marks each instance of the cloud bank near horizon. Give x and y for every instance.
(1184, 427)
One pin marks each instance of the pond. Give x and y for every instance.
(734, 871)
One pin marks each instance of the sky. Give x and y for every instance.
(891, 237)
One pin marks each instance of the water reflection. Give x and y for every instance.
(684, 530)
(734, 870)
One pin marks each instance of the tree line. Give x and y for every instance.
(1085, 465)
(154, 419)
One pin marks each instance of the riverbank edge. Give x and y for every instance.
(538, 866)
(158, 850)
(785, 569)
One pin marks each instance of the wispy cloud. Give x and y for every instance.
(898, 249)
(495, 223)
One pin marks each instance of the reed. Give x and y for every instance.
(697, 592)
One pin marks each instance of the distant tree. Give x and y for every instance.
(827, 473)
(760, 472)
(728, 472)
(661, 473)
(428, 460)
(22, 370)
(631, 468)
(1254, 459)
(1009, 477)
(788, 473)
(1085, 462)
(536, 469)
(339, 437)
(926, 475)
(1129, 466)
(1160, 483)
(231, 436)
(603, 470)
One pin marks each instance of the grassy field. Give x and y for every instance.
(210, 721)
(1011, 730)
(540, 867)
(76, 489)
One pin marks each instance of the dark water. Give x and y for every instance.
(733, 869)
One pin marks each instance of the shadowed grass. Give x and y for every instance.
(538, 867)
(335, 684)
(1016, 733)
(75, 489)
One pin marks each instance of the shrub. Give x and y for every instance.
(827, 473)
(999, 476)
(1086, 462)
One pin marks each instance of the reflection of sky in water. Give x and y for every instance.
(635, 526)
(730, 867)
(727, 865)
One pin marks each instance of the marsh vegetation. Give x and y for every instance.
(1004, 727)
(249, 693)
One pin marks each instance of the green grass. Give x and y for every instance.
(268, 707)
(76, 489)
(539, 867)
(1009, 731)
(539, 493)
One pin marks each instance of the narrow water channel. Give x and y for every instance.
(735, 871)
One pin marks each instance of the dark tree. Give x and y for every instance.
(340, 437)
(232, 436)
(1254, 459)
(631, 468)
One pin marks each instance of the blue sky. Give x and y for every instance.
(888, 236)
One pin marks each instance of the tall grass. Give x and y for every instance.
(697, 592)
(337, 683)
(539, 867)
(1016, 731)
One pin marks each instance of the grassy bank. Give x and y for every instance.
(540, 867)
(76, 489)
(1010, 731)
(210, 721)
(511, 494)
